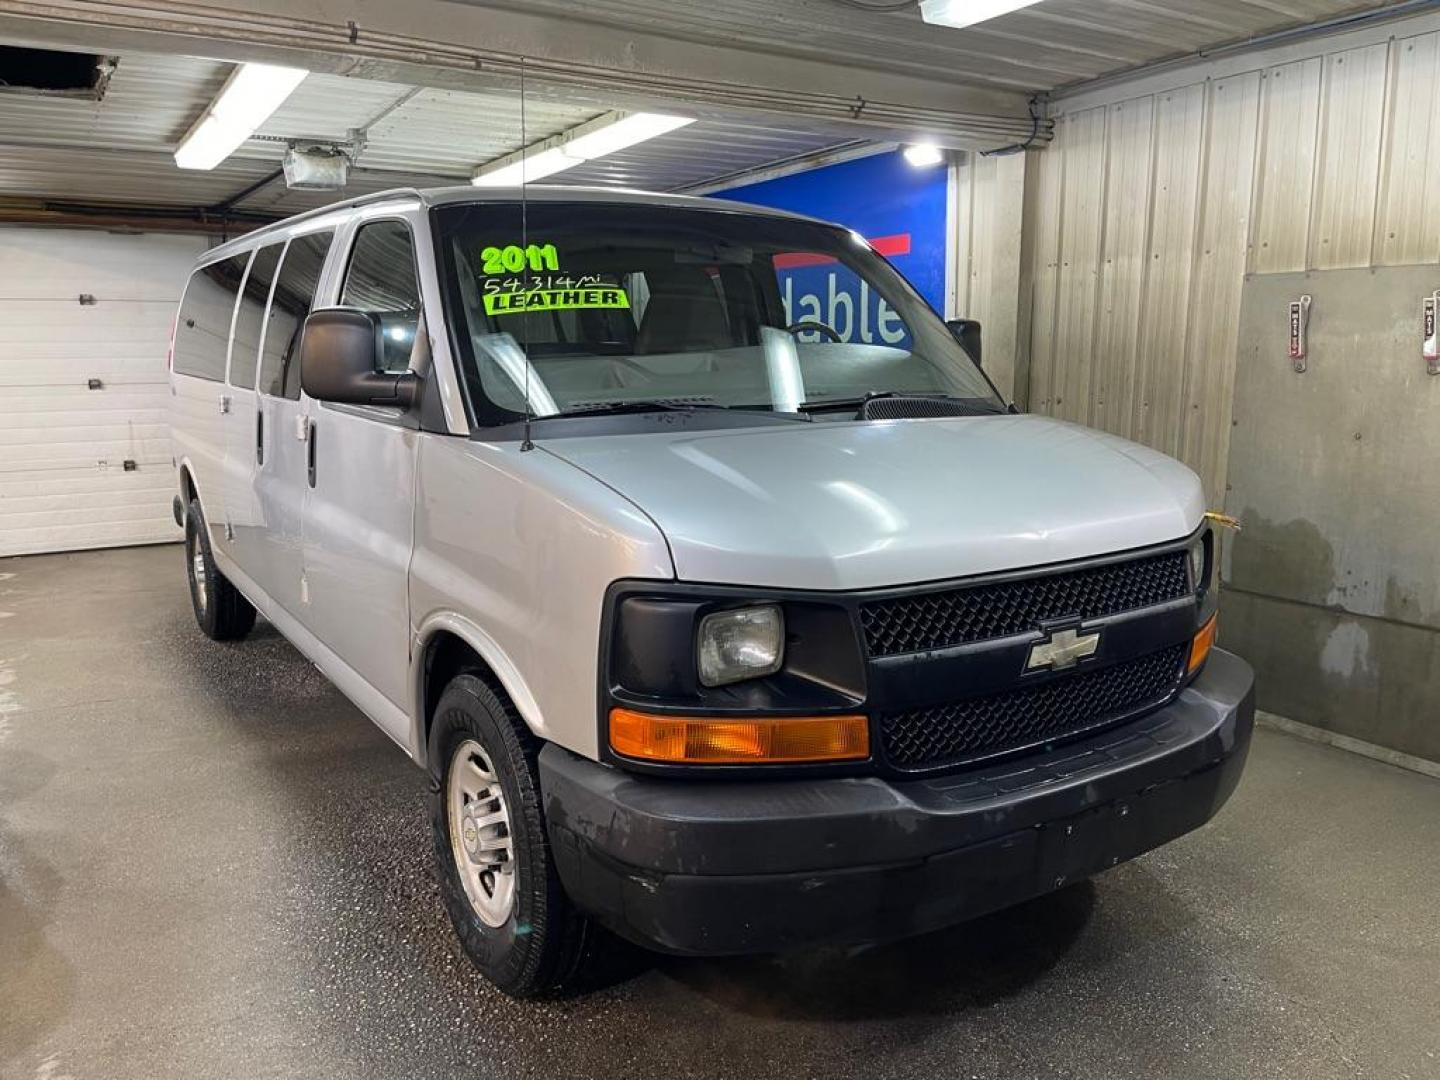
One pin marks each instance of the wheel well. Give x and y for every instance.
(447, 655)
(187, 487)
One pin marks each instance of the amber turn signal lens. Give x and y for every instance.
(1203, 642)
(699, 740)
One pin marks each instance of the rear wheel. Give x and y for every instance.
(222, 613)
(497, 878)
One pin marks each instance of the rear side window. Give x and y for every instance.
(381, 280)
(291, 301)
(202, 331)
(250, 316)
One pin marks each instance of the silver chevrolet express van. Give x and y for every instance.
(727, 604)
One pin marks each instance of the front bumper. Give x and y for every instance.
(712, 868)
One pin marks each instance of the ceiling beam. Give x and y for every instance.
(231, 201)
(470, 47)
(165, 219)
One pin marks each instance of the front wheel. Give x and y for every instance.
(222, 613)
(497, 878)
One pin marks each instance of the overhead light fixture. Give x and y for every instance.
(621, 134)
(251, 94)
(526, 170)
(923, 155)
(962, 13)
(598, 138)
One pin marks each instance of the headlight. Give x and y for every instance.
(1198, 562)
(738, 645)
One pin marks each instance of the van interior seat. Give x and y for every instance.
(684, 313)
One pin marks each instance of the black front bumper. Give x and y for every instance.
(717, 868)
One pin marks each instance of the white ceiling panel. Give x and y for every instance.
(119, 149)
(88, 174)
(150, 103)
(325, 107)
(450, 131)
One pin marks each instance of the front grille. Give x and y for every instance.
(1001, 608)
(1051, 711)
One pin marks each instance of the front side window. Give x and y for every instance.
(290, 303)
(202, 329)
(381, 280)
(590, 307)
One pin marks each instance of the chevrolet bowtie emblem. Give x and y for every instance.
(1065, 649)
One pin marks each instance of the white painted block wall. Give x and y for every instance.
(63, 446)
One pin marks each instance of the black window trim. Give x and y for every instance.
(388, 415)
(284, 245)
(333, 228)
(354, 242)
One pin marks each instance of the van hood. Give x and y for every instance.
(865, 505)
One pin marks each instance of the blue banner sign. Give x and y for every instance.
(898, 208)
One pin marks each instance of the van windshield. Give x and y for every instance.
(588, 307)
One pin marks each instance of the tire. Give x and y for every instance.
(536, 944)
(221, 612)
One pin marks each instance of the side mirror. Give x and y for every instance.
(967, 333)
(340, 358)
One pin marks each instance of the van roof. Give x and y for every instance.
(467, 193)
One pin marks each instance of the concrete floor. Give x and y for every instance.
(212, 866)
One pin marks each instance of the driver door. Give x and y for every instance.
(359, 503)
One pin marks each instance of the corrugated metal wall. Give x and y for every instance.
(988, 213)
(1148, 210)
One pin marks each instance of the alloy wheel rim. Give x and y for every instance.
(480, 836)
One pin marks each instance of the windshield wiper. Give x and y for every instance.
(979, 406)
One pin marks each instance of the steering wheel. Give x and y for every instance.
(805, 325)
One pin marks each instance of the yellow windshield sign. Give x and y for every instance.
(508, 303)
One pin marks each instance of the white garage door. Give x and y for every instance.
(84, 436)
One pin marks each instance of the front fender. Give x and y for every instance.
(484, 646)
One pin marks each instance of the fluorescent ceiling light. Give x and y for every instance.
(607, 135)
(623, 134)
(922, 155)
(963, 13)
(526, 170)
(252, 93)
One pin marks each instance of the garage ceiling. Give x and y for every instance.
(1045, 47)
(770, 82)
(119, 149)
